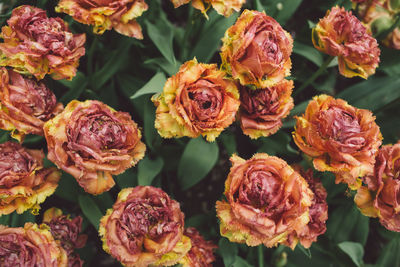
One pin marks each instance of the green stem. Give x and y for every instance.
(260, 255)
(92, 48)
(316, 74)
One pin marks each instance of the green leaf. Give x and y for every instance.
(306, 251)
(281, 10)
(354, 250)
(68, 188)
(155, 85)
(148, 169)
(157, 63)
(198, 158)
(228, 251)
(240, 262)
(309, 52)
(162, 35)
(19, 220)
(150, 132)
(90, 210)
(76, 87)
(390, 256)
(127, 179)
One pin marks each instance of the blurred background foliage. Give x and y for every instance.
(124, 73)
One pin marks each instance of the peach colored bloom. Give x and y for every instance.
(256, 50)
(380, 198)
(201, 253)
(341, 34)
(119, 15)
(38, 45)
(262, 110)
(339, 138)
(24, 182)
(66, 230)
(318, 209)
(32, 245)
(266, 201)
(92, 142)
(25, 104)
(198, 100)
(223, 7)
(144, 227)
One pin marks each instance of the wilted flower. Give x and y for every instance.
(223, 7)
(119, 15)
(339, 137)
(66, 230)
(30, 246)
(25, 104)
(201, 253)
(262, 110)
(24, 182)
(380, 198)
(256, 50)
(341, 34)
(318, 210)
(198, 100)
(92, 142)
(266, 201)
(36, 44)
(144, 227)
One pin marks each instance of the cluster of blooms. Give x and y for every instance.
(341, 34)
(223, 7)
(146, 227)
(203, 100)
(107, 14)
(269, 202)
(379, 16)
(49, 244)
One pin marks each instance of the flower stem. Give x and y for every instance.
(260, 255)
(316, 74)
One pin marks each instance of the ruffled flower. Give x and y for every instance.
(92, 142)
(66, 230)
(24, 182)
(256, 50)
(144, 227)
(318, 210)
(262, 110)
(198, 100)
(341, 34)
(381, 195)
(32, 245)
(266, 201)
(38, 45)
(25, 105)
(119, 15)
(339, 138)
(223, 7)
(201, 254)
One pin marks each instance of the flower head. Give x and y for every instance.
(262, 110)
(24, 182)
(380, 197)
(105, 15)
(92, 142)
(38, 45)
(66, 230)
(198, 100)
(256, 50)
(341, 34)
(266, 201)
(25, 104)
(318, 209)
(201, 253)
(144, 227)
(339, 138)
(32, 245)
